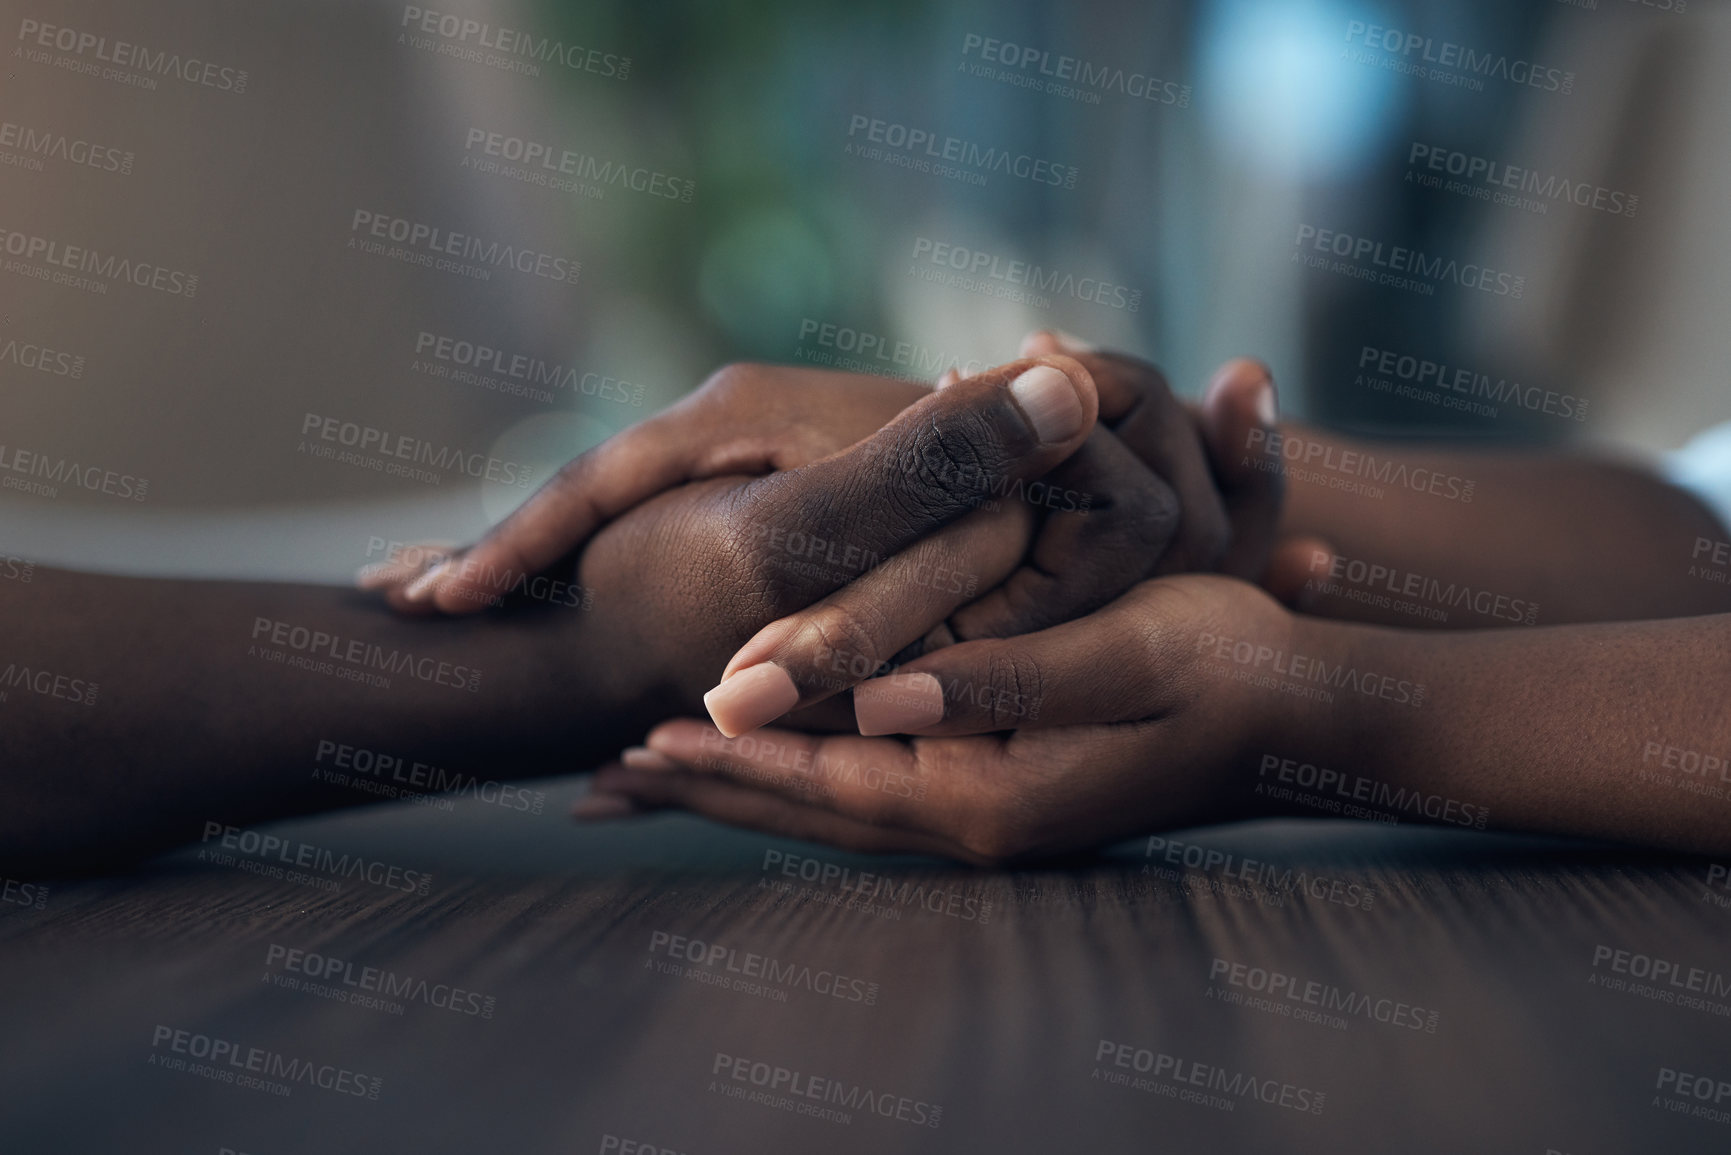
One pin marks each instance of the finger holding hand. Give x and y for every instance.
(745, 420)
(1138, 406)
(925, 473)
(1230, 492)
(1239, 412)
(1118, 664)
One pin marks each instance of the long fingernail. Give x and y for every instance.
(643, 758)
(898, 704)
(1051, 402)
(947, 378)
(751, 698)
(1267, 411)
(595, 807)
(422, 587)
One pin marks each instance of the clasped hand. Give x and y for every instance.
(1012, 573)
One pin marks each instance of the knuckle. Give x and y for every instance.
(745, 566)
(1013, 690)
(954, 459)
(844, 642)
(732, 381)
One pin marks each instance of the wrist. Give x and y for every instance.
(1361, 694)
(1314, 701)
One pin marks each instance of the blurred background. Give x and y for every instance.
(894, 187)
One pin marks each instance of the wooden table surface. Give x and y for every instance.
(1460, 1009)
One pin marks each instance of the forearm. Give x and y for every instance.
(1614, 731)
(137, 710)
(1470, 539)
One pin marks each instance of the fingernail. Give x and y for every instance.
(947, 378)
(898, 704)
(593, 807)
(1267, 411)
(751, 698)
(422, 587)
(643, 758)
(1051, 403)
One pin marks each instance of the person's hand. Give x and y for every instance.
(680, 582)
(1108, 522)
(1234, 522)
(1126, 720)
(753, 419)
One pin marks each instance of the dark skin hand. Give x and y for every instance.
(1147, 496)
(206, 710)
(1189, 698)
